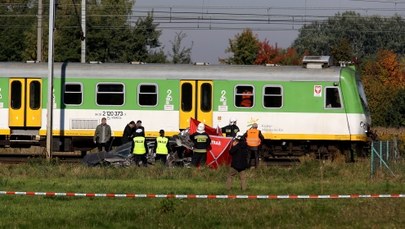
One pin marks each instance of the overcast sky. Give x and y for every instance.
(209, 24)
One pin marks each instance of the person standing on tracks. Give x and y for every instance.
(240, 155)
(139, 126)
(139, 148)
(129, 131)
(201, 142)
(230, 130)
(254, 138)
(161, 147)
(102, 136)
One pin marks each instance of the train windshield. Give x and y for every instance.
(363, 98)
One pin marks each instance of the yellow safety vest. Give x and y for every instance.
(139, 145)
(252, 138)
(161, 145)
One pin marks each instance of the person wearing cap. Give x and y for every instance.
(231, 129)
(102, 136)
(128, 134)
(254, 139)
(201, 142)
(240, 154)
(139, 148)
(139, 126)
(161, 147)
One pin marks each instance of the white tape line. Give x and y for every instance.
(194, 196)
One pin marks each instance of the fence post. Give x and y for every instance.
(372, 160)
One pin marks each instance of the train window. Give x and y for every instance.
(332, 98)
(35, 95)
(206, 97)
(244, 96)
(186, 97)
(273, 96)
(73, 94)
(147, 95)
(16, 89)
(110, 94)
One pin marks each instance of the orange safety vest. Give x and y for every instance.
(252, 138)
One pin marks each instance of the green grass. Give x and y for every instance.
(310, 177)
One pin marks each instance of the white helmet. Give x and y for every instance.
(200, 127)
(232, 121)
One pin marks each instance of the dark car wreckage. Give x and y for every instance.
(180, 152)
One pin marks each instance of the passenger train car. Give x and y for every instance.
(298, 108)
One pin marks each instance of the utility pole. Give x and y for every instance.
(49, 127)
(83, 37)
(39, 32)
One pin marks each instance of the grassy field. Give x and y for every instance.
(309, 177)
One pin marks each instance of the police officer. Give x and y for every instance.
(201, 142)
(162, 147)
(139, 148)
(254, 138)
(230, 130)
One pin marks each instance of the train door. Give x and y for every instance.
(25, 109)
(195, 102)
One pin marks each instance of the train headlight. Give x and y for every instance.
(364, 126)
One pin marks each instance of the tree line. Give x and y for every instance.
(110, 34)
(374, 44)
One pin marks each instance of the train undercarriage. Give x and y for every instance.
(328, 150)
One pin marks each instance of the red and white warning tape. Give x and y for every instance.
(192, 196)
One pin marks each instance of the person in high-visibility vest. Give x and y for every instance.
(254, 139)
(201, 142)
(161, 147)
(139, 148)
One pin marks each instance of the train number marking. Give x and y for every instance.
(222, 99)
(169, 106)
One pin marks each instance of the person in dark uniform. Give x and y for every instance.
(139, 126)
(201, 142)
(230, 130)
(129, 131)
(240, 154)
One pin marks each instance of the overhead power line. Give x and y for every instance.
(185, 18)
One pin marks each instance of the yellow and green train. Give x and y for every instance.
(297, 108)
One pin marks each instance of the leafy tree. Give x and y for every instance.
(268, 54)
(396, 113)
(180, 55)
(244, 47)
(144, 39)
(17, 17)
(359, 35)
(156, 56)
(109, 35)
(342, 51)
(383, 81)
